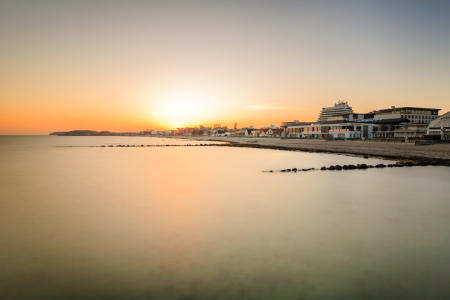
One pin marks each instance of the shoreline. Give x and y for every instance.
(437, 154)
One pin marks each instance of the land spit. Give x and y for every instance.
(437, 154)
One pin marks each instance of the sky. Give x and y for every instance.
(137, 65)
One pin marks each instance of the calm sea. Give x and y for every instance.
(207, 223)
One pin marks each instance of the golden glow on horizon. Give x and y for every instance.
(182, 108)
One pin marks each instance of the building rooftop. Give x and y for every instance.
(407, 107)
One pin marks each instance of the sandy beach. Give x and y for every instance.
(438, 154)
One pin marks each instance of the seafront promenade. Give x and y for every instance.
(403, 151)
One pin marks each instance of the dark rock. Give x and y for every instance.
(345, 167)
(390, 165)
(380, 166)
(288, 170)
(332, 168)
(338, 167)
(351, 167)
(294, 169)
(304, 170)
(323, 168)
(370, 166)
(408, 164)
(362, 166)
(283, 170)
(366, 156)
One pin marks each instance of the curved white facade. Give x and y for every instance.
(439, 126)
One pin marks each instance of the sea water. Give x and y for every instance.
(208, 223)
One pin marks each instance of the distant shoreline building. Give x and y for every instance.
(337, 122)
(340, 108)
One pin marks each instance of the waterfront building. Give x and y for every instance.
(332, 129)
(269, 132)
(338, 109)
(256, 132)
(440, 126)
(415, 115)
(248, 131)
(186, 130)
(170, 132)
(405, 122)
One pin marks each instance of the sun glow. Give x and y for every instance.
(180, 109)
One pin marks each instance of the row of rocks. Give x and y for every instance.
(355, 167)
(188, 145)
(364, 166)
(295, 170)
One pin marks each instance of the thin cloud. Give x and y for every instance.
(263, 106)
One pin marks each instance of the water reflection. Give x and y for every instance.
(206, 223)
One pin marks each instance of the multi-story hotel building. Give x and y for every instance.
(403, 122)
(338, 109)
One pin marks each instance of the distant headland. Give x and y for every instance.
(83, 133)
(96, 133)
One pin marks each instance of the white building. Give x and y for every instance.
(341, 108)
(440, 126)
(344, 129)
(403, 122)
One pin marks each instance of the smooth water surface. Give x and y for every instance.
(207, 223)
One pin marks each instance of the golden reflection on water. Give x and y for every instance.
(206, 223)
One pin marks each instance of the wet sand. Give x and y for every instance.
(438, 154)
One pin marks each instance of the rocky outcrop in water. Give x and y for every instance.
(357, 167)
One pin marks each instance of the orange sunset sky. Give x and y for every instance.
(137, 65)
